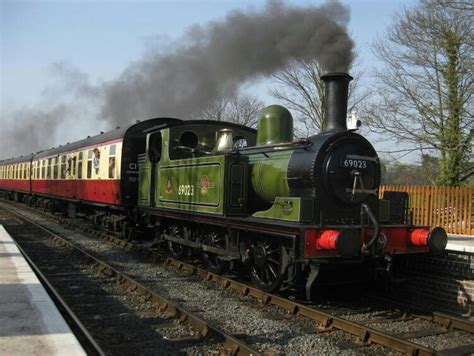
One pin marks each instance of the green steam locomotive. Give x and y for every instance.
(277, 206)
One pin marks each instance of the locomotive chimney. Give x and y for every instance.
(335, 104)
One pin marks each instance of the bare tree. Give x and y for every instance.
(425, 91)
(216, 110)
(240, 109)
(299, 87)
(244, 110)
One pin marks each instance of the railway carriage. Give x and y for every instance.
(99, 171)
(15, 175)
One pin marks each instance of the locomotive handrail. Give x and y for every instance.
(288, 145)
(372, 218)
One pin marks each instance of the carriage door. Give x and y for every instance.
(147, 170)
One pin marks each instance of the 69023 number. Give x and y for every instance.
(186, 189)
(354, 163)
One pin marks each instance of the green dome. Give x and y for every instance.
(275, 125)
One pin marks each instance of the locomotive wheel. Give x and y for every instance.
(211, 260)
(176, 249)
(266, 271)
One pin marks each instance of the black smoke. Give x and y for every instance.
(208, 62)
(217, 58)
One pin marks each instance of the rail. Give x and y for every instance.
(207, 329)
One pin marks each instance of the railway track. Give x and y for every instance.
(363, 332)
(104, 300)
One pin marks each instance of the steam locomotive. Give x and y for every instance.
(232, 195)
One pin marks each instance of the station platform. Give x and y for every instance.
(460, 243)
(30, 323)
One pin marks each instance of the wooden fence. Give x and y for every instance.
(448, 207)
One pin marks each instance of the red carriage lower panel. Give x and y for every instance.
(15, 184)
(96, 191)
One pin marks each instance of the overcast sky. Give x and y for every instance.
(100, 38)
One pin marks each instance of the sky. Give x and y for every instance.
(99, 39)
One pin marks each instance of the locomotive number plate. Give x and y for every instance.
(354, 163)
(186, 189)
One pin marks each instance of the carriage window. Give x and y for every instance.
(73, 162)
(50, 163)
(63, 167)
(90, 155)
(43, 169)
(56, 168)
(38, 170)
(79, 166)
(69, 165)
(112, 162)
(96, 160)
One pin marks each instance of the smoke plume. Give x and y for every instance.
(69, 104)
(208, 62)
(217, 58)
